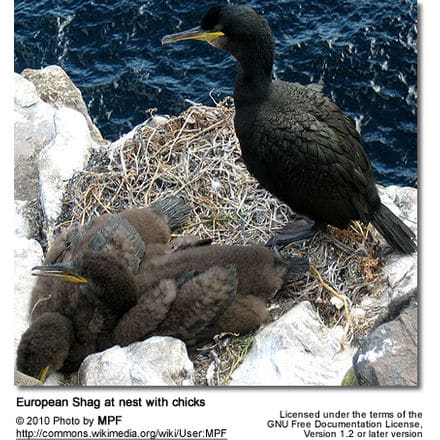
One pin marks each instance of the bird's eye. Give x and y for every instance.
(218, 27)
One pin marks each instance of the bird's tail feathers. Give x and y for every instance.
(393, 229)
(174, 209)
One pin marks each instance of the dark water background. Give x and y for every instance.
(364, 52)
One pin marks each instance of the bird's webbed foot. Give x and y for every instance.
(45, 345)
(300, 228)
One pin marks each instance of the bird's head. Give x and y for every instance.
(106, 277)
(63, 271)
(45, 345)
(236, 29)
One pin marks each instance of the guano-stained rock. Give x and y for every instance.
(388, 356)
(153, 362)
(297, 350)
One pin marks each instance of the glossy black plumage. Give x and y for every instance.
(294, 140)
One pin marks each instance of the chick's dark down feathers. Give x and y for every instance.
(197, 293)
(108, 250)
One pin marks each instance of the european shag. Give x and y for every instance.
(196, 293)
(70, 320)
(294, 140)
(192, 293)
(126, 234)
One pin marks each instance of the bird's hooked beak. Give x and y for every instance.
(196, 33)
(63, 271)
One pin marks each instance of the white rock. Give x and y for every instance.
(155, 361)
(60, 159)
(33, 129)
(25, 93)
(33, 119)
(54, 86)
(402, 200)
(358, 312)
(27, 253)
(400, 271)
(297, 349)
(22, 227)
(400, 274)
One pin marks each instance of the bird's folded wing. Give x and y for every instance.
(118, 236)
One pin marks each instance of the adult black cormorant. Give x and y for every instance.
(70, 320)
(294, 140)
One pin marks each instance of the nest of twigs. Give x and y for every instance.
(197, 156)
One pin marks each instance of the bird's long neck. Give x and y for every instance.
(254, 74)
(113, 282)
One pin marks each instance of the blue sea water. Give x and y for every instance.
(363, 52)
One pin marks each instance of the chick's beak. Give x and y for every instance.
(43, 374)
(196, 33)
(63, 271)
